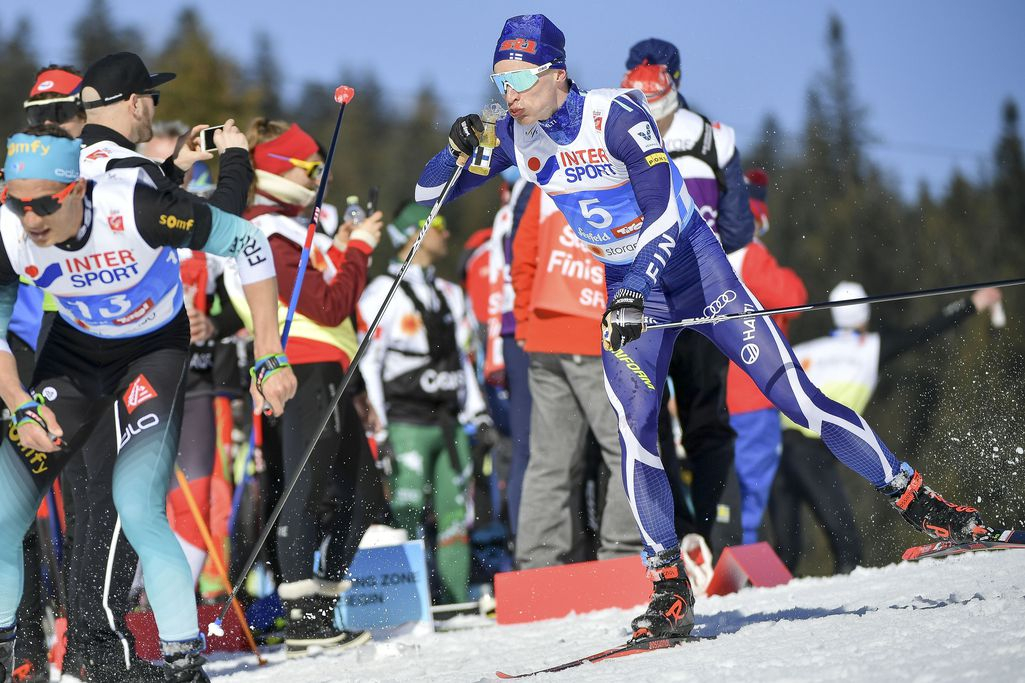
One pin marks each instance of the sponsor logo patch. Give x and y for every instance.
(657, 158)
(630, 228)
(175, 223)
(633, 367)
(519, 45)
(139, 391)
(645, 137)
(713, 309)
(749, 353)
(116, 222)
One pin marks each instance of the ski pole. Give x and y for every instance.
(211, 548)
(255, 441)
(343, 95)
(919, 294)
(214, 628)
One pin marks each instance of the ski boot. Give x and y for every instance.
(310, 611)
(28, 671)
(106, 662)
(7, 636)
(184, 661)
(927, 511)
(670, 612)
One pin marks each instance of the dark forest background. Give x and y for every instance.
(952, 407)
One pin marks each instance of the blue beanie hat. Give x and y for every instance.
(42, 157)
(531, 38)
(656, 51)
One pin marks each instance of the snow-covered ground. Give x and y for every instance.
(961, 618)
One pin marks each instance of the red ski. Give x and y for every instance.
(1006, 539)
(624, 650)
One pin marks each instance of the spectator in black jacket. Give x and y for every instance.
(120, 98)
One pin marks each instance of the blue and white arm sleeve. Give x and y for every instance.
(442, 165)
(735, 222)
(238, 238)
(632, 137)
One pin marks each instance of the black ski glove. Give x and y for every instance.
(623, 321)
(463, 138)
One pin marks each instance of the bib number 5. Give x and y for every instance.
(596, 216)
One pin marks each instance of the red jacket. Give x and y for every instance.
(546, 331)
(774, 286)
(325, 303)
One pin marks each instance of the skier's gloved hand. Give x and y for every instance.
(623, 321)
(463, 137)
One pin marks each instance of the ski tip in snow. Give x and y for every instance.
(1004, 539)
(624, 650)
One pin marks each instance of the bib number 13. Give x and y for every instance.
(115, 305)
(596, 216)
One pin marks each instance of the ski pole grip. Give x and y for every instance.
(344, 93)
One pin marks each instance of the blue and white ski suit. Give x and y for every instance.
(601, 158)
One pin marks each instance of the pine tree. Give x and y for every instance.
(208, 87)
(1008, 184)
(96, 34)
(267, 79)
(16, 76)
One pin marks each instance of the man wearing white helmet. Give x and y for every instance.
(845, 366)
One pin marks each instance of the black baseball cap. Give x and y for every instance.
(118, 76)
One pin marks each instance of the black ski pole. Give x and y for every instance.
(725, 317)
(215, 628)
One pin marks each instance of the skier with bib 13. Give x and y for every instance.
(599, 155)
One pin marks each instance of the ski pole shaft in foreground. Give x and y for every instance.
(343, 95)
(956, 289)
(214, 628)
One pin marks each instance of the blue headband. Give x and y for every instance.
(42, 157)
(531, 38)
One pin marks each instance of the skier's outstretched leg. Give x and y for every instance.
(758, 347)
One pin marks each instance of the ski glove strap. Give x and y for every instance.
(463, 137)
(266, 366)
(29, 412)
(623, 321)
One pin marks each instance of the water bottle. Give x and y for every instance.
(481, 161)
(354, 213)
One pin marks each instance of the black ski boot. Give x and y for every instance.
(104, 661)
(927, 511)
(670, 612)
(184, 661)
(311, 627)
(7, 636)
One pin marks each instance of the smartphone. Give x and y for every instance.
(206, 138)
(372, 200)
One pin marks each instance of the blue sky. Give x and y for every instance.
(932, 74)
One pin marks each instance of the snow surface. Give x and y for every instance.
(960, 618)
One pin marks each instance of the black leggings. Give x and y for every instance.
(339, 492)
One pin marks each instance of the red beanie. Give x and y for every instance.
(294, 143)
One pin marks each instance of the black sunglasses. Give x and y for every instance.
(41, 206)
(57, 111)
(155, 94)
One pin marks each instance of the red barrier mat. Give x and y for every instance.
(756, 564)
(553, 592)
(147, 645)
